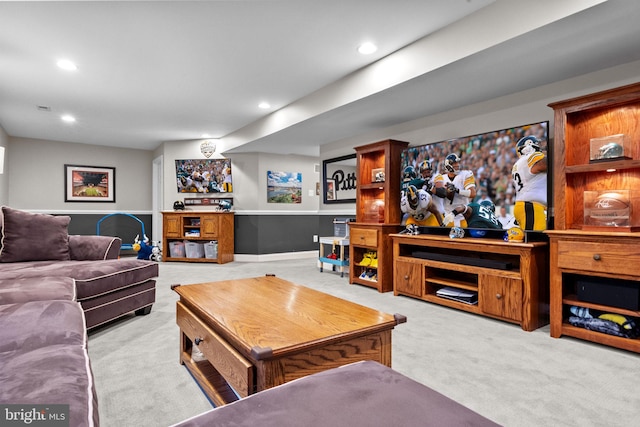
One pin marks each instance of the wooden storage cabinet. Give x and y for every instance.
(579, 250)
(372, 238)
(598, 257)
(518, 295)
(200, 227)
(377, 211)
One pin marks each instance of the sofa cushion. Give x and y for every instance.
(92, 278)
(31, 325)
(59, 374)
(37, 289)
(29, 236)
(83, 248)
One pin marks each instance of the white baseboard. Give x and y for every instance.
(276, 257)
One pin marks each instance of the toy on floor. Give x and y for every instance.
(145, 250)
(156, 252)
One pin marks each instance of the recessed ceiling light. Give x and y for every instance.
(65, 64)
(205, 135)
(367, 48)
(264, 105)
(67, 118)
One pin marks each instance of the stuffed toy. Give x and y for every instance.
(142, 247)
(156, 252)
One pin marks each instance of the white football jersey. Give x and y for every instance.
(530, 187)
(438, 201)
(464, 180)
(422, 210)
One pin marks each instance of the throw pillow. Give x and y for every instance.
(33, 237)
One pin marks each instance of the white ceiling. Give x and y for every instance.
(150, 72)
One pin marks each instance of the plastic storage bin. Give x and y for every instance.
(211, 250)
(340, 227)
(177, 249)
(194, 249)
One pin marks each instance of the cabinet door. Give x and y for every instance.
(408, 278)
(172, 227)
(500, 296)
(209, 226)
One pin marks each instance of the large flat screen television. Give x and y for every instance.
(490, 156)
(204, 176)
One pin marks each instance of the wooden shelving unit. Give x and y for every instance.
(378, 211)
(577, 250)
(200, 227)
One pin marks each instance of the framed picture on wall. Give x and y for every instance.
(331, 189)
(89, 184)
(339, 179)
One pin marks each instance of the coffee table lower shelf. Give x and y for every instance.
(209, 379)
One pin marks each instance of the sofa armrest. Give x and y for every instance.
(94, 247)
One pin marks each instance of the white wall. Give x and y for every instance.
(249, 172)
(500, 113)
(36, 175)
(4, 180)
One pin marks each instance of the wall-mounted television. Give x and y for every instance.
(204, 176)
(490, 156)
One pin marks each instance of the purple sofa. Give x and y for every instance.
(53, 288)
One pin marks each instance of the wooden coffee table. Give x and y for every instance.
(261, 332)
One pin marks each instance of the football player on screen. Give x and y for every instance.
(418, 205)
(460, 188)
(478, 215)
(529, 174)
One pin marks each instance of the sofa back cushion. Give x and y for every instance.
(29, 236)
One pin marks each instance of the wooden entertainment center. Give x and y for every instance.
(509, 278)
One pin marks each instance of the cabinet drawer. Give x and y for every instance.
(364, 237)
(237, 370)
(598, 257)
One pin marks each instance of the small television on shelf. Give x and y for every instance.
(490, 156)
(204, 176)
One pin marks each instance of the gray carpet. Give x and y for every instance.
(513, 377)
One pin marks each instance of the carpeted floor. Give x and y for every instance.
(513, 377)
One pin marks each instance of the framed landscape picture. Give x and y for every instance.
(89, 184)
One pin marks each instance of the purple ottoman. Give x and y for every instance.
(362, 394)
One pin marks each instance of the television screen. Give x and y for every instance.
(204, 176)
(490, 156)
